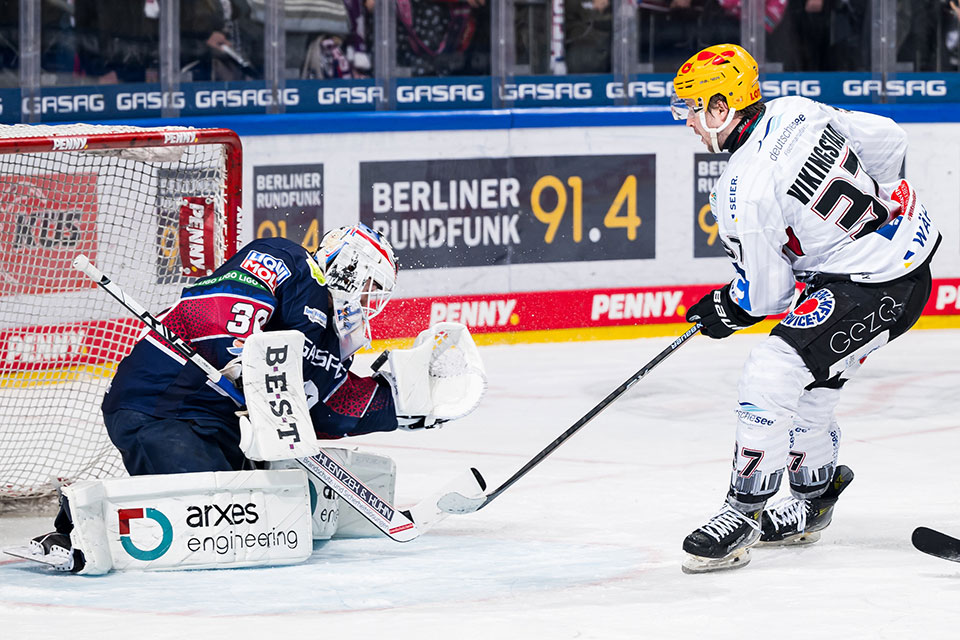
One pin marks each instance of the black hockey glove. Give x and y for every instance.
(720, 315)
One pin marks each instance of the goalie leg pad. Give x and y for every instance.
(333, 517)
(191, 520)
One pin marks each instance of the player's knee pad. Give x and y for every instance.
(774, 377)
(334, 518)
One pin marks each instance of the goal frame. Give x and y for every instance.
(81, 138)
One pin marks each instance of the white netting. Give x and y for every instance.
(60, 336)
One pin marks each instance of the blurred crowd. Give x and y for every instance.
(110, 41)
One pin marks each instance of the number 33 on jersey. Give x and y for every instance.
(817, 190)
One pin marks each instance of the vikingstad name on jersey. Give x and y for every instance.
(816, 189)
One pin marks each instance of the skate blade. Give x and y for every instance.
(796, 540)
(56, 559)
(699, 564)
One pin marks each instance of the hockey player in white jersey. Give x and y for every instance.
(811, 194)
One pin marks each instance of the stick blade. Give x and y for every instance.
(460, 504)
(429, 511)
(466, 498)
(936, 544)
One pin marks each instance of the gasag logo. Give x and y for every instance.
(126, 539)
(349, 95)
(860, 88)
(269, 270)
(205, 99)
(440, 93)
(780, 88)
(813, 311)
(546, 91)
(639, 88)
(129, 101)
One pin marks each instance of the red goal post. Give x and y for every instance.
(155, 208)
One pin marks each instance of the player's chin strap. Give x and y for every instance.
(714, 143)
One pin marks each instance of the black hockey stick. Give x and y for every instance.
(458, 503)
(936, 544)
(401, 526)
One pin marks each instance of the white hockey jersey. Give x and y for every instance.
(812, 190)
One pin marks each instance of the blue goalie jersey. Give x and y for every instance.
(273, 284)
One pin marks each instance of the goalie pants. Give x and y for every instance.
(151, 445)
(790, 385)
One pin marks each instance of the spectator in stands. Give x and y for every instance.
(118, 41)
(213, 40)
(588, 28)
(56, 40)
(439, 37)
(343, 52)
(9, 43)
(850, 35)
(917, 33)
(951, 27)
(679, 26)
(802, 40)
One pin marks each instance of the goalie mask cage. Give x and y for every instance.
(152, 208)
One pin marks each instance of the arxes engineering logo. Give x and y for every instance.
(126, 515)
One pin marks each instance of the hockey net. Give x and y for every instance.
(153, 209)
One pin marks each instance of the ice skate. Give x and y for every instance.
(723, 543)
(798, 522)
(53, 549)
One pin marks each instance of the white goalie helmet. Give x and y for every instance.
(361, 273)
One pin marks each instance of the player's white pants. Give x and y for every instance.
(781, 425)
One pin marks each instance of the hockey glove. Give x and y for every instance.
(720, 315)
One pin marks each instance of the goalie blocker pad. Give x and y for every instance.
(277, 425)
(191, 520)
(440, 378)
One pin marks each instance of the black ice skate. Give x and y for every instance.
(796, 522)
(723, 543)
(53, 549)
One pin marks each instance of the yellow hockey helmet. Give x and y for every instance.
(726, 69)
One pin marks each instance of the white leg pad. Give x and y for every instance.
(334, 518)
(192, 520)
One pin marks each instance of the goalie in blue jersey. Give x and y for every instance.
(165, 415)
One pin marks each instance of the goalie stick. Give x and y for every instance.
(936, 544)
(401, 526)
(455, 502)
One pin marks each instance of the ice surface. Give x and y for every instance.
(588, 544)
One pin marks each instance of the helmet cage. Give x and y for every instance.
(361, 273)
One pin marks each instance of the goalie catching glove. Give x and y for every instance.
(441, 378)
